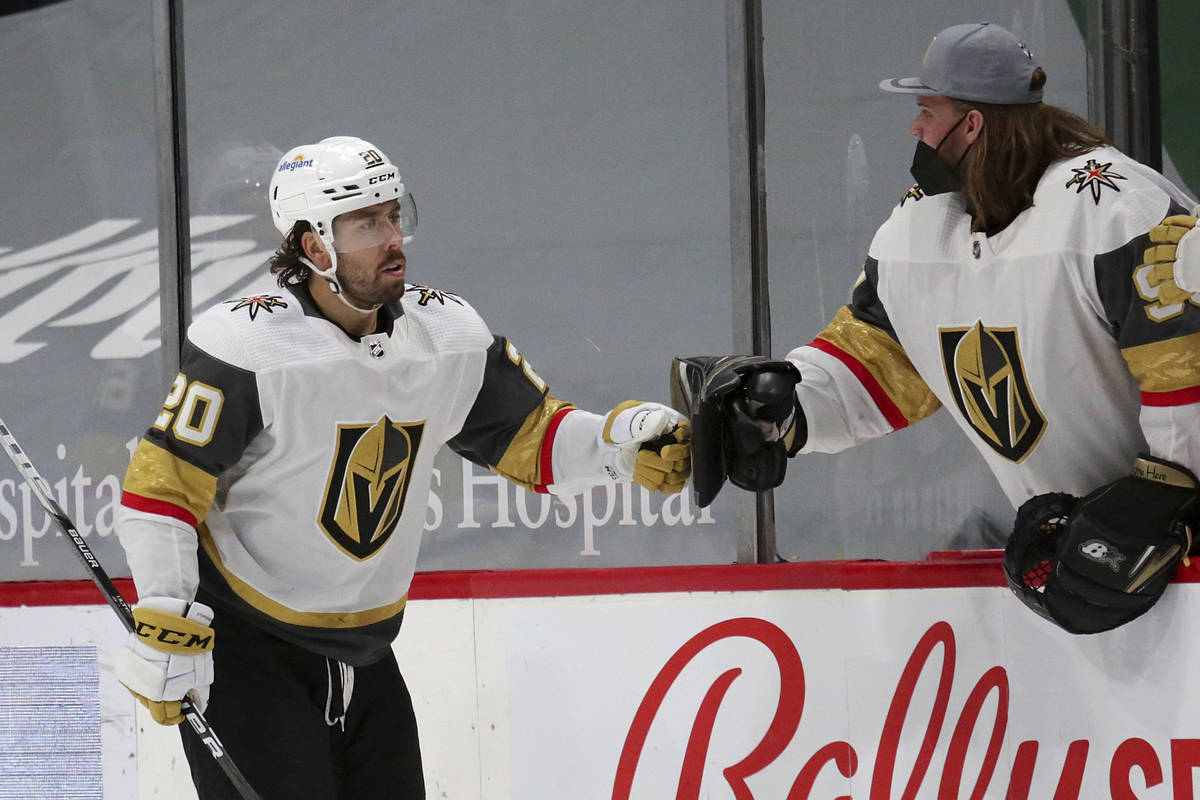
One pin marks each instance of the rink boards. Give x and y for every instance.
(863, 680)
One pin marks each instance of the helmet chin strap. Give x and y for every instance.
(330, 276)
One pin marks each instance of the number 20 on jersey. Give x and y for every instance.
(191, 409)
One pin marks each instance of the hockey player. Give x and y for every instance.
(272, 513)
(1026, 284)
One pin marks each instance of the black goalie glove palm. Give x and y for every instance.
(1094, 564)
(745, 420)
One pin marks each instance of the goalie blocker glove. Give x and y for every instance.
(1094, 564)
(168, 655)
(745, 420)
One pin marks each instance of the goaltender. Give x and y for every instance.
(1027, 283)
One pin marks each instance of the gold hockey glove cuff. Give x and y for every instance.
(168, 655)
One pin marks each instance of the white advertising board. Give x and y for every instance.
(32, 720)
(941, 693)
(775, 694)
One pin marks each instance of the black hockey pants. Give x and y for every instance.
(280, 712)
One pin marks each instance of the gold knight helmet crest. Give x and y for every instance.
(987, 380)
(368, 482)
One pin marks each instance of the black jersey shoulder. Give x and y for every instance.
(211, 413)
(865, 304)
(506, 398)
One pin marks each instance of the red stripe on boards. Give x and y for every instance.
(965, 569)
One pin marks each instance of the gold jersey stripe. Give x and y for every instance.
(884, 358)
(157, 474)
(521, 462)
(1166, 366)
(277, 610)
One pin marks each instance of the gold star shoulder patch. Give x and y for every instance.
(259, 302)
(1095, 176)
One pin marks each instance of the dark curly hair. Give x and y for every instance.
(286, 265)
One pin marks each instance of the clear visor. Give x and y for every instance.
(393, 221)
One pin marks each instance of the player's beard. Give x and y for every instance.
(369, 292)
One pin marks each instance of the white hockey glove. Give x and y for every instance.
(1170, 265)
(653, 446)
(1181, 231)
(167, 655)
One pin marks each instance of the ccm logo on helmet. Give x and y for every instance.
(381, 178)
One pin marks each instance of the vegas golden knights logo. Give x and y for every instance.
(368, 481)
(987, 379)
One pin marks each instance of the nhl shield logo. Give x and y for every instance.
(368, 482)
(987, 379)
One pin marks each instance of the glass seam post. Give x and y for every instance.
(174, 231)
(748, 234)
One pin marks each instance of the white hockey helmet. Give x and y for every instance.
(317, 182)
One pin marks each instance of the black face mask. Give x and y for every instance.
(932, 174)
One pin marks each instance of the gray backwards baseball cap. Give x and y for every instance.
(978, 62)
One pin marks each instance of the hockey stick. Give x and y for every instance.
(44, 495)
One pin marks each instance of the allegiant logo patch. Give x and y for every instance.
(297, 163)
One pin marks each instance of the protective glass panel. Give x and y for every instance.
(79, 318)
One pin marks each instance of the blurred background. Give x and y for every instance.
(571, 162)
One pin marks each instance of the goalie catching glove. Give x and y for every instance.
(1094, 564)
(745, 420)
(168, 655)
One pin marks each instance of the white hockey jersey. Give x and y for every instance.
(298, 459)
(1046, 341)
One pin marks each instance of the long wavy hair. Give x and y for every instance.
(286, 265)
(1001, 169)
